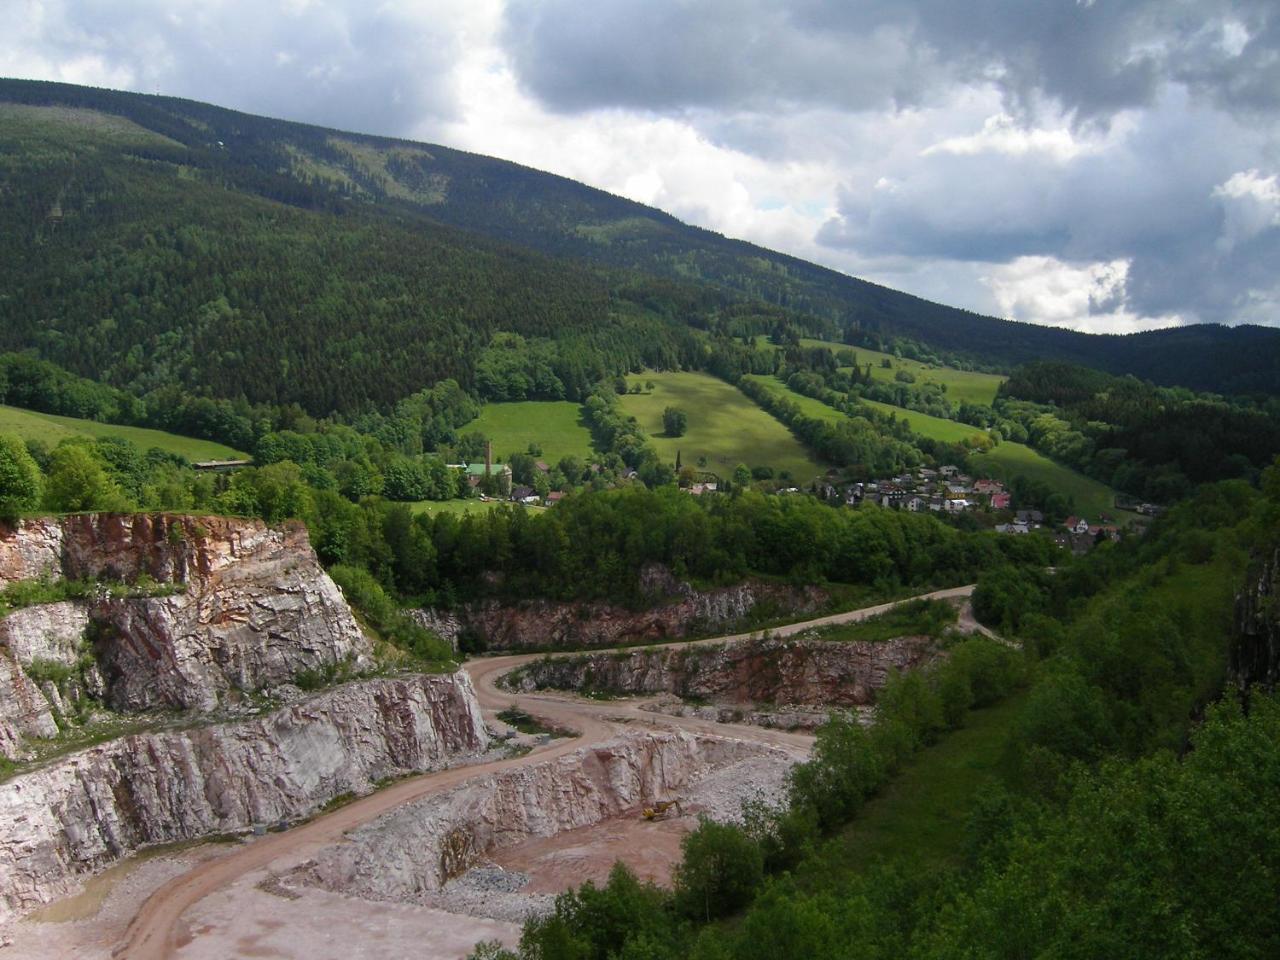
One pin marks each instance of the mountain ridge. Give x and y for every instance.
(404, 183)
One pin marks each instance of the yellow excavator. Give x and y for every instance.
(663, 809)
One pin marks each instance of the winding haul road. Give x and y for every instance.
(157, 930)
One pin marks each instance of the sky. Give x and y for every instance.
(1103, 165)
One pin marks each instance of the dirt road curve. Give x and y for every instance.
(156, 930)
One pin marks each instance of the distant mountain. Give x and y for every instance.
(149, 239)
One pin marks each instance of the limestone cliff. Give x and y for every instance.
(62, 822)
(679, 610)
(1255, 650)
(774, 670)
(249, 607)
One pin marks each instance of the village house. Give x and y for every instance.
(1000, 501)
(1077, 524)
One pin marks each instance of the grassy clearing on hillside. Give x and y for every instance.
(935, 428)
(1091, 497)
(460, 507)
(961, 384)
(555, 425)
(919, 818)
(52, 429)
(814, 409)
(725, 427)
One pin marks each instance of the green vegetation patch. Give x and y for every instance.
(919, 817)
(725, 428)
(51, 429)
(22, 122)
(1091, 497)
(915, 618)
(810, 407)
(554, 425)
(962, 385)
(461, 507)
(935, 428)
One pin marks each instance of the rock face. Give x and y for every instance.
(253, 607)
(414, 849)
(783, 671)
(30, 549)
(24, 709)
(73, 817)
(54, 632)
(546, 625)
(1255, 650)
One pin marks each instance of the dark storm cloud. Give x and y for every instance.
(1153, 198)
(357, 66)
(1092, 57)
(1197, 85)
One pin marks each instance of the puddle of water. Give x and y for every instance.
(88, 901)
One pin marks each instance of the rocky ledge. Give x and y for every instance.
(678, 610)
(786, 671)
(411, 852)
(73, 817)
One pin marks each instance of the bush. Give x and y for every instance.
(719, 872)
(20, 482)
(675, 422)
(369, 597)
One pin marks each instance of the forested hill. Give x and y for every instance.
(121, 212)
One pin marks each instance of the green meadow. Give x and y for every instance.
(554, 425)
(52, 429)
(725, 426)
(461, 507)
(961, 384)
(935, 428)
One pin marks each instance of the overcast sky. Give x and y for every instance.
(1107, 165)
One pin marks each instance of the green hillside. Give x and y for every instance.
(962, 385)
(402, 259)
(52, 429)
(1092, 498)
(725, 427)
(935, 428)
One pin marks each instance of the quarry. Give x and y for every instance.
(206, 750)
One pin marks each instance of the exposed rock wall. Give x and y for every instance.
(254, 609)
(65, 821)
(783, 670)
(547, 625)
(1255, 650)
(24, 709)
(51, 631)
(30, 549)
(414, 849)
